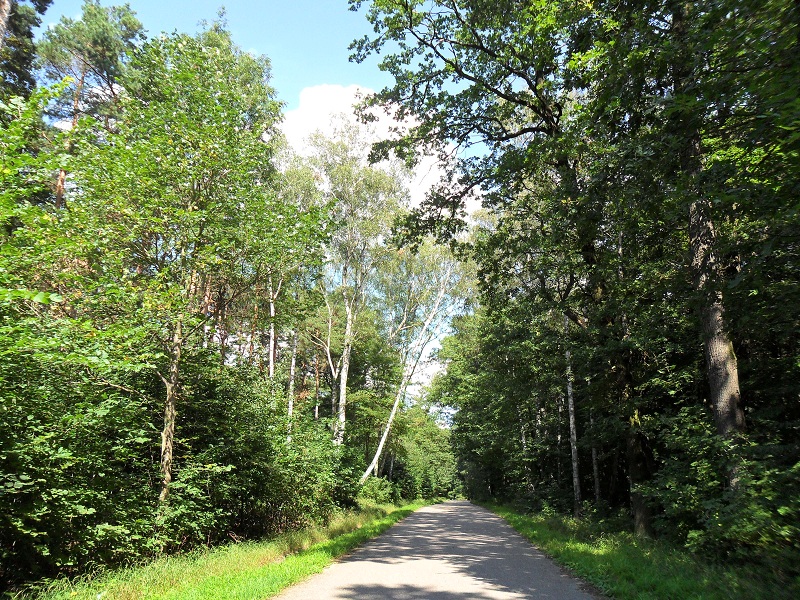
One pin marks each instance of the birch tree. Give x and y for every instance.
(364, 201)
(420, 291)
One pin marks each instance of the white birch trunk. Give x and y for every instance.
(401, 392)
(412, 359)
(340, 422)
(292, 368)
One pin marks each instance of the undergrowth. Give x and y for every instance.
(626, 567)
(244, 571)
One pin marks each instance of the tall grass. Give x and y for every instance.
(246, 570)
(630, 568)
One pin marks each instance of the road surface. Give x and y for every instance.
(449, 551)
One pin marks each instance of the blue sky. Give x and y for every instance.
(306, 40)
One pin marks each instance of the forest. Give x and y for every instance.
(207, 337)
(203, 334)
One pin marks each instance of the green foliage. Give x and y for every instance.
(17, 48)
(429, 462)
(90, 54)
(639, 165)
(757, 521)
(379, 490)
(237, 570)
(626, 567)
(173, 216)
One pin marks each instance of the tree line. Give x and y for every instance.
(205, 336)
(634, 344)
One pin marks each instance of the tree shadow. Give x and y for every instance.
(471, 541)
(403, 592)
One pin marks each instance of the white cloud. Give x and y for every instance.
(320, 109)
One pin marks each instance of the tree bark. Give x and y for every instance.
(721, 365)
(412, 357)
(595, 464)
(172, 383)
(638, 473)
(292, 366)
(5, 13)
(339, 423)
(573, 431)
(398, 397)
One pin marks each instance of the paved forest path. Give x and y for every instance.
(449, 551)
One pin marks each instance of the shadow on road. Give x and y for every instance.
(472, 541)
(404, 592)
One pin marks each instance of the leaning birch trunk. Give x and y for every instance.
(413, 357)
(168, 434)
(339, 423)
(401, 392)
(573, 433)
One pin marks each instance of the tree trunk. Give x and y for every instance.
(172, 384)
(573, 431)
(411, 359)
(595, 463)
(5, 12)
(339, 423)
(638, 473)
(292, 366)
(373, 465)
(721, 365)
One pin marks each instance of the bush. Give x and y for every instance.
(380, 491)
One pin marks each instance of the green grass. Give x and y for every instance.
(246, 571)
(625, 567)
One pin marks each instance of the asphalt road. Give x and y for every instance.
(449, 551)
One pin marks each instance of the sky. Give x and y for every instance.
(306, 40)
(307, 43)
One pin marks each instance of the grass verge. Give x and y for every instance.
(246, 571)
(625, 567)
